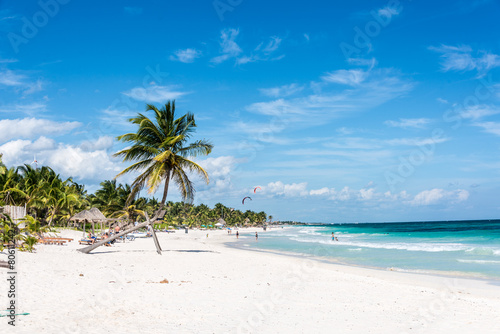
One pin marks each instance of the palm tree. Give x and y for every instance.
(161, 152)
(3, 169)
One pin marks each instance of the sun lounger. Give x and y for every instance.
(52, 241)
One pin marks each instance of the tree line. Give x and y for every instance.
(160, 154)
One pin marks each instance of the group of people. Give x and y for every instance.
(106, 235)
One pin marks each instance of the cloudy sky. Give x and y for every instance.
(340, 111)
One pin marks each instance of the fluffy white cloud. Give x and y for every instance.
(186, 56)
(288, 190)
(157, 94)
(68, 160)
(33, 127)
(417, 123)
(436, 196)
(102, 143)
(319, 192)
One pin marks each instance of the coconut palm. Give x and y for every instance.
(161, 152)
(3, 169)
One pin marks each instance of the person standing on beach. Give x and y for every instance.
(237, 235)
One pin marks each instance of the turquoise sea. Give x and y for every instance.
(457, 248)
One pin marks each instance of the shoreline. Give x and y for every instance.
(484, 284)
(204, 285)
(332, 260)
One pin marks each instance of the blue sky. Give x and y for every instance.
(340, 112)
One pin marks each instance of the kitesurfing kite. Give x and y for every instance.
(243, 201)
(255, 189)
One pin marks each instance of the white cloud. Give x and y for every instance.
(288, 190)
(32, 128)
(274, 108)
(388, 11)
(68, 160)
(220, 171)
(231, 50)
(415, 141)
(319, 192)
(281, 91)
(102, 143)
(7, 61)
(417, 123)
(273, 45)
(157, 94)
(186, 56)
(479, 111)
(19, 81)
(31, 109)
(438, 196)
(325, 102)
(489, 127)
(346, 77)
(460, 58)
(229, 47)
(11, 78)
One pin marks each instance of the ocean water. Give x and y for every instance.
(457, 248)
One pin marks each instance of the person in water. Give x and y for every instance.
(334, 238)
(256, 236)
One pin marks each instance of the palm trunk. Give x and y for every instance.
(90, 248)
(165, 193)
(52, 217)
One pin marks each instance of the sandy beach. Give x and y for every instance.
(202, 285)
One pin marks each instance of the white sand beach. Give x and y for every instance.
(199, 285)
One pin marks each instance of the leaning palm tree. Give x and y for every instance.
(161, 152)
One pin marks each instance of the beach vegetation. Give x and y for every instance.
(160, 152)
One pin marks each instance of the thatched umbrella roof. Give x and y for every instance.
(92, 215)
